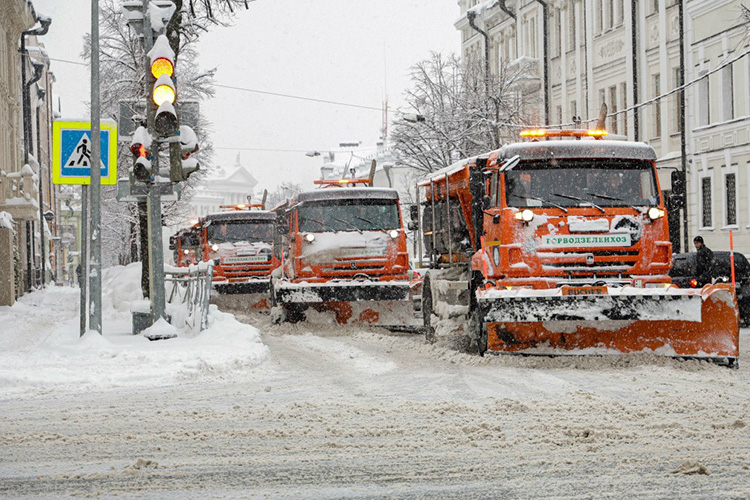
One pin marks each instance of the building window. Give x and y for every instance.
(571, 34)
(609, 13)
(730, 195)
(613, 108)
(704, 100)
(654, 6)
(555, 30)
(599, 16)
(706, 202)
(624, 97)
(727, 92)
(657, 106)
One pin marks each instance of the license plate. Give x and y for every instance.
(245, 260)
(584, 290)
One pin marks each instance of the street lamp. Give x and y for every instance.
(413, 118)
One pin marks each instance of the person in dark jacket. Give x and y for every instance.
(705, 261)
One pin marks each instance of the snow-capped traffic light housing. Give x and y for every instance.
(142, 168)
(164, 93)
(188, 146)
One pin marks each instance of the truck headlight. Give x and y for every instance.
(393, 234)
(310, 237)
(215, 247)
(655, 213)
(525, 215)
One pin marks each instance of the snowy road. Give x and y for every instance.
(338, 413)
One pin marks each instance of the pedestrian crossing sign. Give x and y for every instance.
(71, 152)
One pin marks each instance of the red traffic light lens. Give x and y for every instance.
(138, 150)
(162, 66)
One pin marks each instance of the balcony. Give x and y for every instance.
(19, 194)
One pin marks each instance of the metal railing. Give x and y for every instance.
(188, 290)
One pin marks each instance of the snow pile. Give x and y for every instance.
(42, 350)
(6, 220)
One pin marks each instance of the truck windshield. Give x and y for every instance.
(575, 183)
(349, 215)
(234, 232)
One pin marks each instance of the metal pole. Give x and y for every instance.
(434, 247)
(420, 230)
(95, 317)
(448, 217)
(153, 202)
(41, 193)
(83, 257)
(634, 54)
(683, 132)
(156, 260)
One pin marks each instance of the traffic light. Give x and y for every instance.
(164, 93)
(142, 168)
(188, 146)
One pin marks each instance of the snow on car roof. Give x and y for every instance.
(347, 194)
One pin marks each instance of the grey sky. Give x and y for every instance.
(351, 51)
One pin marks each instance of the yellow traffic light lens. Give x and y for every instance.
(162, 66)
(163, 93)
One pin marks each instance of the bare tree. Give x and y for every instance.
(123, 78)
(282, 193)
(462, 112)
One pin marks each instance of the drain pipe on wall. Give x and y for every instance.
(545, 65)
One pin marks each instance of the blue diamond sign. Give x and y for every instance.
(71, 152)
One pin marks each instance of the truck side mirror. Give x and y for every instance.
(486, 202)
(414, 213)
(172, 243)
(412, 226)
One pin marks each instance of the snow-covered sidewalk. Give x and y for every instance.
(42, 350)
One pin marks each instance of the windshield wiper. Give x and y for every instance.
(365, 220)
(576, 198)
(348, 224)
(613, 198)
(540, 199)
(322, 224)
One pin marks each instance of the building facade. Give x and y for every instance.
(18, 182)
(231, 186)
(626, 54)
(719, 118)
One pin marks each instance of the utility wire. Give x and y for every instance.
(263, 92)
(312, 99)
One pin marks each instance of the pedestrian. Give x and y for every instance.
(78, 275)
(705, 261)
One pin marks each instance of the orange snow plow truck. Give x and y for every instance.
(239, 241)
(343, 251)
(561, 246)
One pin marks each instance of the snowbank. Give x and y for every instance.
(42, 350)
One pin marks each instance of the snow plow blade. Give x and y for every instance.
(386, 304)
(252, 294)
(676, 322)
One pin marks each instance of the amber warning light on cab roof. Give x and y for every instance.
(344, 182)
(537, 133)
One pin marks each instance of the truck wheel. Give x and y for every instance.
(429, 330)
(294, 313)
(477, 326)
